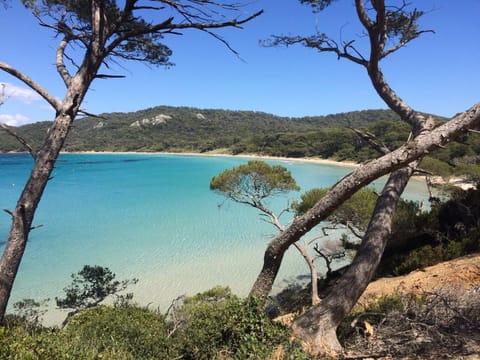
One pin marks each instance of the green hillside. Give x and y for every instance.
(166, 128)
(183, 129)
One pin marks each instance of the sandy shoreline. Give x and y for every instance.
(315, 160)
(434, 180)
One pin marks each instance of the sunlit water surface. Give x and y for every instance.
(150, 217)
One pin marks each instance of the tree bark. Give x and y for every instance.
(315, 298)
(317, 327)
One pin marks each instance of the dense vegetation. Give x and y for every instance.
(166, 128)
(182, 129)
(212, 325)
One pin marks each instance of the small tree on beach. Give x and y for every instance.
(98, 32)
(388, 26)
(255, 183)
(89, 287)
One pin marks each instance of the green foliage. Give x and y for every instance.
(216, 324)
(419, 259)
(146, 46)
(356, 211)
(19, 342)
(436, 166)
(308, 199)
(253, 182)
(387, 303)
(128, 332)
(90, 286)
(212, 325)
(199, 130)
(422, 239)
(97, 333)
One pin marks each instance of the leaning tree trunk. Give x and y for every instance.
(22, 216)
(362, 176)
(317, 327)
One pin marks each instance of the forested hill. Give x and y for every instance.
(166, 128)
(182, 129)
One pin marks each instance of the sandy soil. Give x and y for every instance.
(458, 275)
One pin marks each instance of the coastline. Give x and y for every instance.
(315, 160)
(434, 180)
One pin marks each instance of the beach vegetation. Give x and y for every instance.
(214, 324)
(91, 286)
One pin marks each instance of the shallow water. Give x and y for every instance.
(151, 217)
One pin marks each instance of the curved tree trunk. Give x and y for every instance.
(317, 327)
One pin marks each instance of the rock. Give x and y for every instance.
(157, 120)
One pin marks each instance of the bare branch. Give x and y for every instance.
(61, 68)
(423, 171)
(106, 76)
(354, 231)
(403, 43)
(320, 42)
(18, 137)
(32, 84)
(91, 115)
(370, 138)
(168, 26)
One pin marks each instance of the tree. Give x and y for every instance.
(257, 182)
(99, 32)
(353, 215)
(89, 287)
(252, 184)
(388, 28)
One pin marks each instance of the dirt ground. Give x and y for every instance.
(446, 327)
(459, 275)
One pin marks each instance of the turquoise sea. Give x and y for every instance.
(152, 217)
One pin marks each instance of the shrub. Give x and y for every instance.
(19, 340)
(419, 259)
(128, 332)
(217, 324)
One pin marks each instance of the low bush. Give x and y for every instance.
(217, 324)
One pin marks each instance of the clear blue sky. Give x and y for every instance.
(438, 73)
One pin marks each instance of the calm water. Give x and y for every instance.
(152, 217)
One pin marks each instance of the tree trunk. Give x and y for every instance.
(313, 272)
(317, 327)
(22, 216)
(27, 204)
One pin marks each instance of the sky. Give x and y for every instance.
(438, 73)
